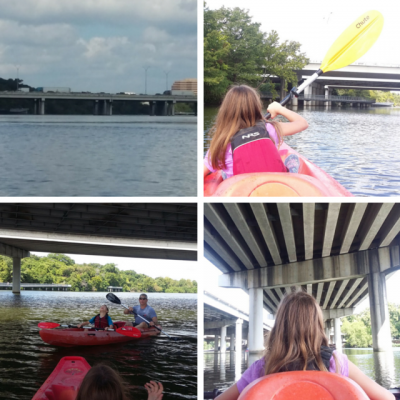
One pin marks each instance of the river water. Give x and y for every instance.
(383, 368)
(26, 361)
(78, 155)
(358, 147)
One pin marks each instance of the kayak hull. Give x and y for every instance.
(310, 181)
(70, 337)
(64, 382)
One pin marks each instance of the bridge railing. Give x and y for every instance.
(322, 97)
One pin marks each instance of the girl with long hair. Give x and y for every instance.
(103, 383)
(297, 342)
(240, 111)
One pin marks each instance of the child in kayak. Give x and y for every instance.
(297, 342)
(100, 321)
(237, 146)
(103, 383)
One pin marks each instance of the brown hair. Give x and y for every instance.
(102, 383)
(297, 335)
(241, 108)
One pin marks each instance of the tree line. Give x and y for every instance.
(61, 269)
(378, 95)
(236, 51)
(357, 328)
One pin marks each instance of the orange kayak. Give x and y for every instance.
(69, 337)
(310, 181)
(64, 382)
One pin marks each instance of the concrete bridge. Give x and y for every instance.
(103, 102)
(340, 253)
(37, 286)
(137, 230)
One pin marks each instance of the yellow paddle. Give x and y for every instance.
(353, 43)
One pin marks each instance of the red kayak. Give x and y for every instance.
(64, 382)
(69, 337)
(310, 181)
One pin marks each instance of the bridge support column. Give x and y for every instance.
(110, 106)
(171, 107)
(96, 107)
(338, 335)
(282, 92)
(339, 104)
(351, 104)
(35, 106)
(238, 348)
(232, 342)
(216, 343)
(295, 102)
(42, 109)
(307, 92)
(380, 323)
(152, 108)
(328, 92)
(328, 329)
(223, 339)
(256, 342)
(16, 275)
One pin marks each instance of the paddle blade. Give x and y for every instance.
(48, 325)
(113, 298)
(129, 331)
(354, 42)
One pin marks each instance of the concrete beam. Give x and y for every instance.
(344, 266)
(330, 227)
(350, 292)
(16, 280)
(219, 324)
(308, 221)
(353, 220)
(240, 217)
(11, 251)
(267, 230)
(329, 294)
(337, 313)
(339, 292)
(392, 228)
(272, 297)
(319, 292)
(287, 228)
(376, 218)
(219, 221)
(270, 305)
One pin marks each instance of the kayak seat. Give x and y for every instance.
(119, 324)
(303, 385)
(211, 182)
(61, 392)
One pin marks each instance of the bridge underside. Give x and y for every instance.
(339, 253)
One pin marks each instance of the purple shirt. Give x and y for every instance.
(228, 154)
(256, 370)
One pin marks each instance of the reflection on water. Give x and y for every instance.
(76, 155)
(383, 368)
(26, 361)
(358, 147)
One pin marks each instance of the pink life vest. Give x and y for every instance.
(254, 151)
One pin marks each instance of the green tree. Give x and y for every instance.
(62, 257)
(356, 334)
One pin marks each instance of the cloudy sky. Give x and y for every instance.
(99, 45)
(317, 24)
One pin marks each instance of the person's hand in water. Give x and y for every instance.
(154, 389)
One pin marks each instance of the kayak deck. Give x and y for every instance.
(310, 181)
(69, 337)
(65, 380)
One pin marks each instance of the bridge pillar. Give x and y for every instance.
(338, 335)
(351, 104)
(35, 106)
(232, 342)
(16, 275)
(339, 104)
(328, 329)
(96, 107)
(256, 332)
(171, 107)
(110, 107)
(223, 339)
(238, 348)
(152, 108)
(216, 343)
(380, 322)
(42, 110)
(282, 92)
(358, 105)
(328, 92)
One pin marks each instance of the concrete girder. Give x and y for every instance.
(392, 228)
(218, 220)
(279, 292)
(287, 228)
(330, 227)
(319, 291)
(270, 305)
(240, 217)
(272, 297)
(353, 220)
(329, 294)
(229, 258)
(344, 266)
(350, 292)
(337, 313)
(375, 220)
(309, 289)
(11, 251)
(357, 294)
(339, 292)
(267, 230)
(219, 324)
(217, 261)
(308, 221)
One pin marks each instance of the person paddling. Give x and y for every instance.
(100, 321)
(244, 142)
(143, 310)
(297, 342)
